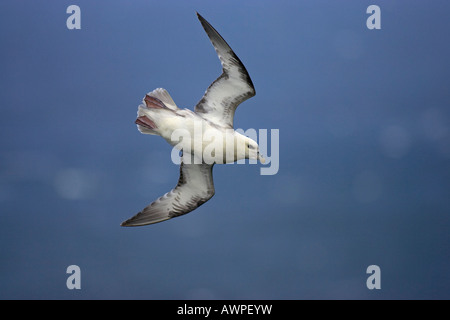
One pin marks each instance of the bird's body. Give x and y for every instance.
(205, 136)
(188, 131)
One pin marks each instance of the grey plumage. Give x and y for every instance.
(195, 186)
(231, 88)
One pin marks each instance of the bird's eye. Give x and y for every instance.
(249, 146)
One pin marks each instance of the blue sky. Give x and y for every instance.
(364, 176)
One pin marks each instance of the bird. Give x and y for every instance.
(208, 128)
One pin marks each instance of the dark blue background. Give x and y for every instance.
(364, 120)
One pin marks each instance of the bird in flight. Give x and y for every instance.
(207, 134)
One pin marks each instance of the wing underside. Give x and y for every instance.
(231, 88)
(195, 187)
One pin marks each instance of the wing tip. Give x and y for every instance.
(128, 223)
(142, 219)
(131, 223)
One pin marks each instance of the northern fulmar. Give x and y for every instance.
(207, 134)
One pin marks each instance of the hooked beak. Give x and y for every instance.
(261, 158)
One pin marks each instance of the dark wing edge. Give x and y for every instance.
(195, 187)
(230, 89)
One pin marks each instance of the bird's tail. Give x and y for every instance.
(153, 104)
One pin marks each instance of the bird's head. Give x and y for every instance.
(252, 150)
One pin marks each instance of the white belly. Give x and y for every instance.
(207, 142)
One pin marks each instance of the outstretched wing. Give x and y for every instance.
(195, 187)
(232, 87)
